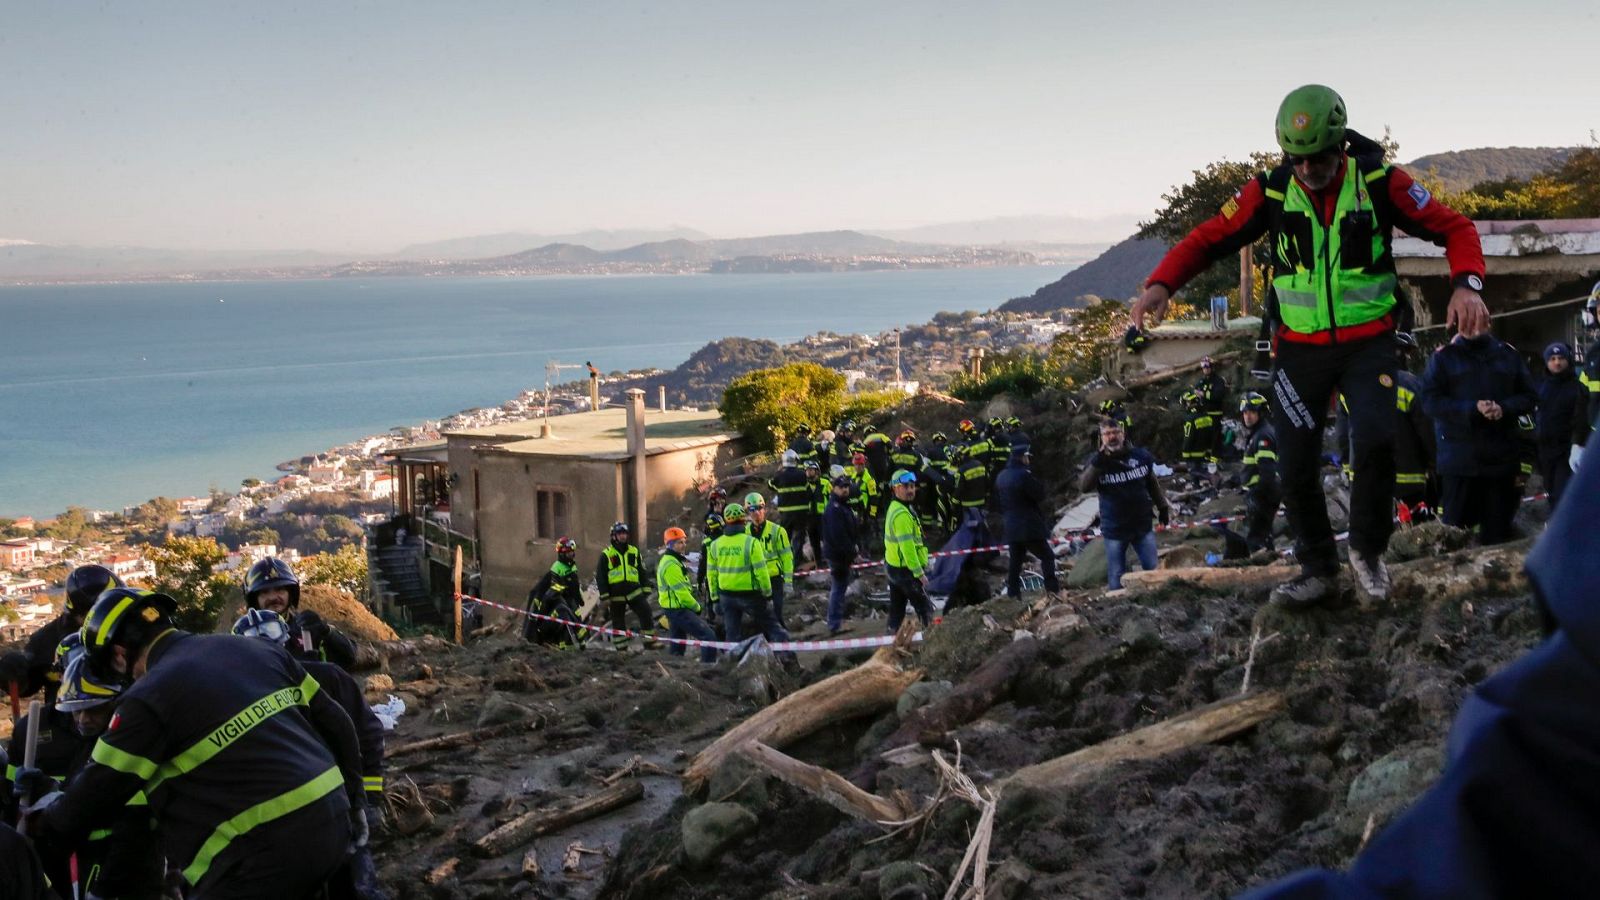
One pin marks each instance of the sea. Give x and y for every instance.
(111, 394)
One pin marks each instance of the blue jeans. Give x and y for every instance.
(840, 569)
(686, 623)
(1117, 557)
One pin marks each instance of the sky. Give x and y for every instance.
(362, 127)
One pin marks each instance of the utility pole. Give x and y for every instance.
(1247, 280)
(899, 378)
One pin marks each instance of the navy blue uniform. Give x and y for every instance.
(229, 739)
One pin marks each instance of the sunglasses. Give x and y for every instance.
(1313, 159)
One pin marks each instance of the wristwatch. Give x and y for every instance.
(1469, 280)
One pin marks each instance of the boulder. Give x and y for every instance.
(1089, 567)
(921, 694)
(903, 880)
(709, 829)
(497, 710)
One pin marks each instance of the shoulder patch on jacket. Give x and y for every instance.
(1231, 208)
(1419, 194)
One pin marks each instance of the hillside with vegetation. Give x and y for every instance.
(1118, 272)
(1459, 170)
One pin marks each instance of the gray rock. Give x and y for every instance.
(1391, 782)
(921, 694)
(1089, 567)
(708, 830)
(903, 881)
(497, 710)
(740, 781)
(1141, 632)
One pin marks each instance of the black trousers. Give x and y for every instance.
(319, 834)
(1260, 509)
(1489, 502)
(1556, 470)
(801, 526)
(905, 588)
(1019, 551)
(1304, 378)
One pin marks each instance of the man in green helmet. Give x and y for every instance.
(1334, 308)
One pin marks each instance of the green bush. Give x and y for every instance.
(768, 404)
(1020, 374)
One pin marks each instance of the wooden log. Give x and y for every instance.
(868, 688)
(442, 871)
(1229, 577)
(550, 819)
(530, 863)
(986, 686)
(1211, 722)
(460, 738)
(1157, 377)
(825, 784)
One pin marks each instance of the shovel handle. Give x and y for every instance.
(16, 702)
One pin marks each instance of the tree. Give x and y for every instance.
(250, 482)
(1187, 206)
(263, 535)
(1078, 351)
(768, 404)
(70, 526)
(345, 570)
(185, 571)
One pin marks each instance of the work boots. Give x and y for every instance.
(1371, 574)
(1305, 591)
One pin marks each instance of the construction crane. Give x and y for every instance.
(552, 375)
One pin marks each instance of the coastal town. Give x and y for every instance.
(329, 500)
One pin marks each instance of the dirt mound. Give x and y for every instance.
(345, 612)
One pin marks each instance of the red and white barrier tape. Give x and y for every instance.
(781, 646)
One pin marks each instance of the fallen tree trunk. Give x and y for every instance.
(1212, 722)
(986, 686)
(1233, 577)
(549, 819)
(377, 654)
(827, 785)
(460, 738)
(1157, 377)
(1465, 574)
(868, 688)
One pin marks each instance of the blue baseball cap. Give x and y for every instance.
(1557, 348)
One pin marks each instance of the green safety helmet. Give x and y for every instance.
(1311, 120)
(752, 500)
(732, 513)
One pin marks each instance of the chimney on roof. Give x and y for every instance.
(636, 449)
(594, 386)
(663, 390)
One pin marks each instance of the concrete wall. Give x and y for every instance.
(513, 558)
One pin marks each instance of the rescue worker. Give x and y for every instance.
(1334, 303)
(1475, 388)
(240, 753)
(1015, 436)
(1213, 393)
(824, 446)
(999, 447)
(841, 534)
(816, 501)
(972, 438)
(33, 667)
(1589, 377)
(864, 499)
(713, 531)
(876, 445)
(1124, 477)
(556, 595)
(715, 501)
(905, 555)
(1199, 428)
(905, 457)
(271, 584)
(972, 481)
(1262, 493)
(779, 552)
(21, 875)
(740, 579)
(1022, 497)
(1113, 409)
(60, 743)
(618, 576)
(801, 444)
(678, 602)
(937, 443)
(792, 488)
(337, 684)
(1561, 420)
(1415, 482)
(844, 444)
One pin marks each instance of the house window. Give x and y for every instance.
(552, 513)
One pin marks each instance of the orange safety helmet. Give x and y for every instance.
(674, 534)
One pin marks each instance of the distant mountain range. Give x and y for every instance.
(1010, 230)
(1462, 169)
(1116, 274)
(506, 243)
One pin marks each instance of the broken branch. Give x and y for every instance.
(546, 820)
(460, 738)
(827, 785)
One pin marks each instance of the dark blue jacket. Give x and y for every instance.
(1460, 374)
(1021, 496)
(1128, 492)
(1516, 812)
(840, 530)
(1563, 401)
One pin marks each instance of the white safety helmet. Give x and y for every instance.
(827, 435)
(835, 470)
(791, 458)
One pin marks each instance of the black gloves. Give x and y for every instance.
(312, 624)
(31, 784)
(1164, 516)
